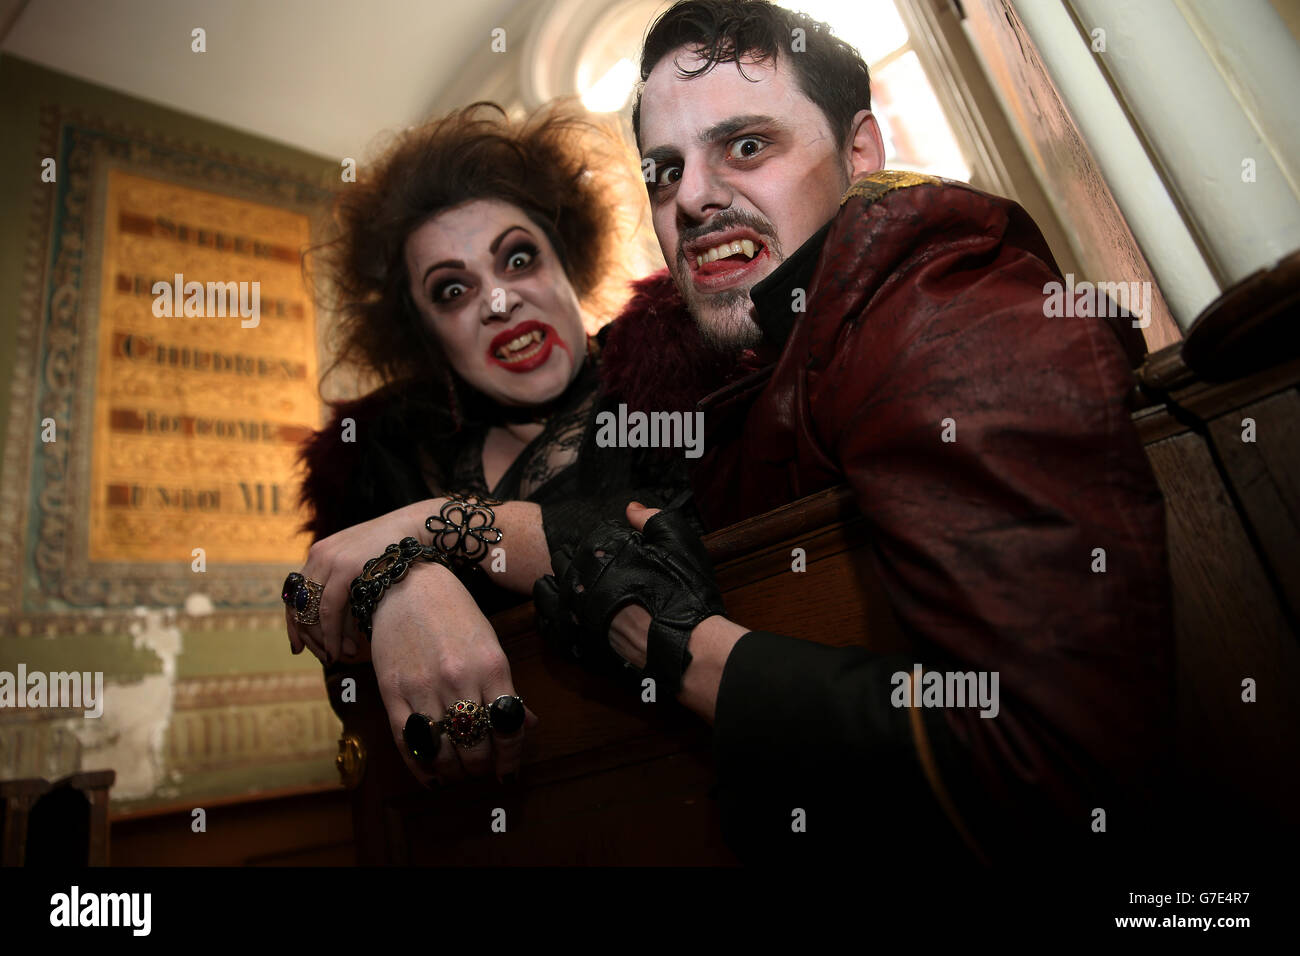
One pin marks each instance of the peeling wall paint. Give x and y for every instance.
(198, 605)
(130, 737)
(193, 708)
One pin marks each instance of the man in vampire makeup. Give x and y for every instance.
(886, 332)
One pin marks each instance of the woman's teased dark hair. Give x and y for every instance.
(555, 165)
(830, 72)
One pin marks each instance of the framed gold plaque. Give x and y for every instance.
(171, 355)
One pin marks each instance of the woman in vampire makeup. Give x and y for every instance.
(470, 261)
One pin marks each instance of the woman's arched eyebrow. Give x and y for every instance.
(496, 243)
(444, 264)
(459, 264)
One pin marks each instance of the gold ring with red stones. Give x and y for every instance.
(466, 723)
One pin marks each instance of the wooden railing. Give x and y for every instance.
(609, 778)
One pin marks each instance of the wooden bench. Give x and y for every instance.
(55, 823)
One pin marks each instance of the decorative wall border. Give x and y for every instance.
(64, 623)
(16, 471)
(280, 717)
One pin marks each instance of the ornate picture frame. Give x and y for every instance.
(48, 572)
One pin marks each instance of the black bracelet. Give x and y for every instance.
(380, 572)
(463, 529)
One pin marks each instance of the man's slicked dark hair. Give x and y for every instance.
(829, 71)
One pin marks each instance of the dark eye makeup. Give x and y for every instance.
(442, 293)
(519, 257)
(524, 249)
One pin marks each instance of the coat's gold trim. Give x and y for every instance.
(873, 186)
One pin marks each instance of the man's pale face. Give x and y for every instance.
(745, 170)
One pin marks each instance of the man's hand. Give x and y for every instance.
(630, 629)
(656, 563)
(432, 646)
(711, 641)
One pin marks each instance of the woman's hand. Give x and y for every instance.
(334, 562)
(431, 647)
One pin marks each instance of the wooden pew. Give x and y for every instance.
(1222, 433)
(51, 823)
(609, 779)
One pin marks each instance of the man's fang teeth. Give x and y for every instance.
(726, 249)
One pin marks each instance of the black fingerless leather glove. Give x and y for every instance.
(665, 569)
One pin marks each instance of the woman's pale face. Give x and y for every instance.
(492, 290)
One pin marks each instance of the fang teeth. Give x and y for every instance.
(509, 351)
(746, 246)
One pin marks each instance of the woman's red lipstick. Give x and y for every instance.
(509, 352)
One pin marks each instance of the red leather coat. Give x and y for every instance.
(925, 315)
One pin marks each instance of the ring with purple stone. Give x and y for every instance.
(290, 588)
(506, 714)
(466, 723)
(306, 603)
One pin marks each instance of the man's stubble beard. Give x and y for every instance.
(724, 319)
